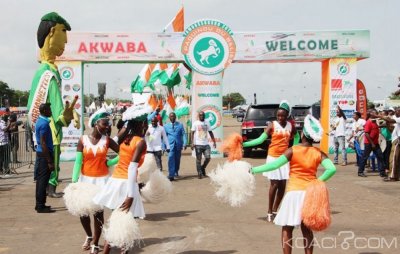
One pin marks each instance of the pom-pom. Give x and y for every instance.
(78, 199)
(234, 184)
(232, 146)
(157, 188)
(148, 166)
(122, 230)
(316, 211)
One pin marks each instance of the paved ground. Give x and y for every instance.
(365, 212)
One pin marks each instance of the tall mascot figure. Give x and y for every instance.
(51, 37)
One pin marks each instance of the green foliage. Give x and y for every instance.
(233, 99)
(15, 98)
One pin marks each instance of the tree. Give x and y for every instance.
(11, 97)
(232, 100)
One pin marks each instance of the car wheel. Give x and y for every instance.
(247, 152)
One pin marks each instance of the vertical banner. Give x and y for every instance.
(343, 84)
(71, 85)
(208, 48)
(361, 99)
(207, 97)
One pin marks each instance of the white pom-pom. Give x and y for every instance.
(122, 230)
(157, 188)
(234, 184)
(78, 199)
(148, 166)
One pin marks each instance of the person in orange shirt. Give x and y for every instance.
(122, 190)
(281, 132)
(304, 161)
(91, 167)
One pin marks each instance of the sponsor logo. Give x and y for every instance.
(343, 69)
(208, 47)
(67, 73)
(212, 114)
(336, 84)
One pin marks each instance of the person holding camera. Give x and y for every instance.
(44, 157)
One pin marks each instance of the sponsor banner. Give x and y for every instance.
(343, 87)
(361, 99)
(106, 47)
(207, 97)
(301, 45)
(249, 47)
(71, 85)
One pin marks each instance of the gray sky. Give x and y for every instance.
(299, 83)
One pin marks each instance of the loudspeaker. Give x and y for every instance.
(101, 89)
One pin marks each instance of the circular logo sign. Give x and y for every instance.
(208, 47)
(67, 73)
(343, 69)
(212, 114)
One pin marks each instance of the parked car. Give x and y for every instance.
(254, 122)
(239, 109)
(299, 112)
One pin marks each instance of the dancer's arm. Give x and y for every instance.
(260, 139)
(279, 162)
(78, 162)
(330, 168)
(115, 147)
(132, 187)
(257, 141)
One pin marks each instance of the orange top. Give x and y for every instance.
(279, 139)
(126, 153)
(303, 167)
(95, 157)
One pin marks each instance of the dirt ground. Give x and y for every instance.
(365, 216)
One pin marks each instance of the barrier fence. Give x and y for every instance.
(16, 153)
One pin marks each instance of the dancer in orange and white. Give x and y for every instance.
(91, 167)
(281, 132)
(122, 190)
(306, 202)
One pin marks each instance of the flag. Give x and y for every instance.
(153, 101)
(177, 24)
(186, 76)
(170, 77)
(171, 100)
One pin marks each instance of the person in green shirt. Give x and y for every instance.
(45, 88)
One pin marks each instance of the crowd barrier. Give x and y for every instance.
(17, 152)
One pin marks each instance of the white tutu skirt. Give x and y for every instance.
(98, 181)
(281, 173)
(289, 213)
(114, 193)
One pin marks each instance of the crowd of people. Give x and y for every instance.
(367, 137)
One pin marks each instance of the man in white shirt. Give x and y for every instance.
(339, 128)
(200, 143)
(4, 146)
(155, 136)
(357, 130)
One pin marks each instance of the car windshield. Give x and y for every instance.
(260, 113)
(300, 111)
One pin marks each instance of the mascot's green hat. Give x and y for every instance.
(53, 16)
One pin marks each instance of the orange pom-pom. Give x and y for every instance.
(316, 211)
(232, 146)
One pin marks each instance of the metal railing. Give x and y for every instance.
(17, 152)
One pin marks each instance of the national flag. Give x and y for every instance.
(171, 100)
(177, 24)
(141, 80)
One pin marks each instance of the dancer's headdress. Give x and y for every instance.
(286, 106)
(312, 128)
(98, 115)
(137, 112)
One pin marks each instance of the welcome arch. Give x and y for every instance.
(337, 51)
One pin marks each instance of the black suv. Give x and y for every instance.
(255, 121)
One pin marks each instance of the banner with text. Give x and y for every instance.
(250, 47)
(71, 85)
